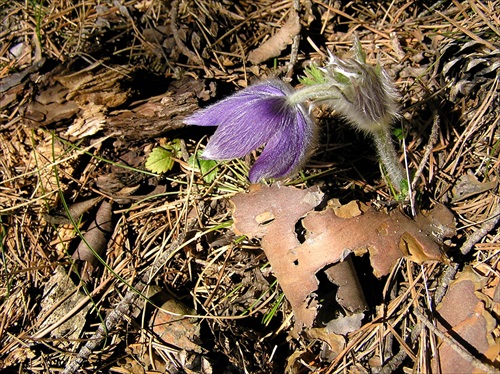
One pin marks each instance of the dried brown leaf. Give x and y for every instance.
(75, 210)
(468, 185)
(175, 329)
(345, 325)
(335, 341)
(96, 237)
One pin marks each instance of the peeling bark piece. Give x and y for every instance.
(86, 100)
(90, 121)
(46, 114)
(285, 205)
(350, 294)
(15, 79)
(329, 239)
(153, 118)
(278, 42)
(463, 315)
(97, 85)
(439, 223)
(89, 93)
(387, 237)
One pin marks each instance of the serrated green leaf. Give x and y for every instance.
(314, 75)
(160, 160)
(207, 168)
(175, 145)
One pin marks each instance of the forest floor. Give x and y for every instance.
(108, 265)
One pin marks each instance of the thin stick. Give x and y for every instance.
(444, 283)
(485, 228)
(466, 355)
(122, 310)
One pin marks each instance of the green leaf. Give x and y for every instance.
(207, 168)
(398, 133)
(405, 190)
(160, 160)
(314, 75)
(175, 145)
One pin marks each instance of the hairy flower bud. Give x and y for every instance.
(368, 98)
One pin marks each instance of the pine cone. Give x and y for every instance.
(466, 68)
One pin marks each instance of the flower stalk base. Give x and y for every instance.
(389, 157)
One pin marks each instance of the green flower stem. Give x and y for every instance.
(388, 156)
(314, 92)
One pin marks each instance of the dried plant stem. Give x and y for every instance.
(480, 233)
(124, 308)
(395, 362)
(389, 157)
(466, 355)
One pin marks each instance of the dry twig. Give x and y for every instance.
(124, 307)
(466, 355)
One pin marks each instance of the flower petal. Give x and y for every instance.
(246, 120)
(224, 110)
(287, 150)
(256, 122)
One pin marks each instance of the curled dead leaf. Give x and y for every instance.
(76, 210)
(96, 238)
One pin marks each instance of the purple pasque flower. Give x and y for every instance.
(257, 116)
